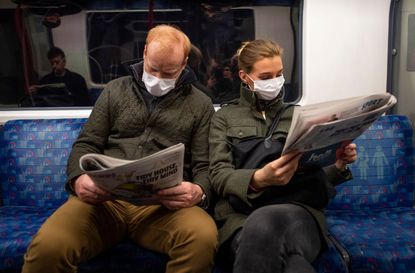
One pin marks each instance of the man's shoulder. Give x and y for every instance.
(199, 95)
(74, 74)
(121, 82)
(122, 79)
(47, 78)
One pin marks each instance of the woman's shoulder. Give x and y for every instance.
(233, 115)
(230, 108)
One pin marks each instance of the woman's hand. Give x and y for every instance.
(277, 172)
(349, 155)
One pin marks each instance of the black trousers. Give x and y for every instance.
(276, 238)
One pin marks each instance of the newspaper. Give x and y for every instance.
(52, 85)
(136, 181)
(320, 129)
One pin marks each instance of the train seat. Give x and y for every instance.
(373, 215)
(32, 174)
(371, 220)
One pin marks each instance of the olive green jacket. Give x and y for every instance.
(121, 126)
(229, 125)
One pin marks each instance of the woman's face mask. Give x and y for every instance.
(156, 86)
(268, 89)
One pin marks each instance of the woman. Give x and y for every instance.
(282, 237)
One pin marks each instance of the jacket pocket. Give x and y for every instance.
(240, 132)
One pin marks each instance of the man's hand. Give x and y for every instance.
(277, 172)
(88, 192)
(33, 88)
(184, 195)
(348, 156)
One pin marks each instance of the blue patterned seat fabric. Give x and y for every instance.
(373, 215)
(330, 261)
(33, 161)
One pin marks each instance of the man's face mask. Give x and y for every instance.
(156, 86)
(268, 89)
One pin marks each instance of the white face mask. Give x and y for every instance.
(156, 86)
(268, 89)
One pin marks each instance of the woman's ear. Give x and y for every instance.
(243, 76)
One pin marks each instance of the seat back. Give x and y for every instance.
(383, 173)
(33, 161)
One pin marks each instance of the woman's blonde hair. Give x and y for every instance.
(167, 35)
(251, 52)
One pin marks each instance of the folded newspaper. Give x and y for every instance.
(136, 181)
(321, 130)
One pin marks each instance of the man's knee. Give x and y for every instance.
(200, 230)
(47, 252)
(44, 244)
(194, 242)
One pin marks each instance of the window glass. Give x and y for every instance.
(99, 37)
(11, 70)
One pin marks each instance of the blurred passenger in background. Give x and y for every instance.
(195, 63)
(61, 87)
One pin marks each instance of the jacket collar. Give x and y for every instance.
(182, 88)
(249, 99)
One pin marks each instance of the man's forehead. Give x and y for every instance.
(168, 58)
(163, 66)
(56, 59)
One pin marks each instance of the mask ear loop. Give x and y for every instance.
(253, 82)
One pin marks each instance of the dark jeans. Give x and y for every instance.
(276, 238)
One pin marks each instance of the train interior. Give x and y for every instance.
(332, 50)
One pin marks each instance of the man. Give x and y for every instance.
(72, 91)
(135, 116)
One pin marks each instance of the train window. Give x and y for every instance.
(99, 37)
(216, 36)
(11, 69)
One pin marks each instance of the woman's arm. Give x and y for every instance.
(224, 178)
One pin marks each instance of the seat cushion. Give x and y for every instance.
(34, 157)
(330, 261)
(376, 240)
(17, 226)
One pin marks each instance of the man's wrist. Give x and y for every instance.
(202, 199)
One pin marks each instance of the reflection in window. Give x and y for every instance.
(11, 70)
(117, 37)
(99, 36)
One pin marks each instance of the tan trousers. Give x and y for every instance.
(78, 231)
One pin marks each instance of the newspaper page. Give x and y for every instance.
(136, 181)
(52, 85)
(321, 129)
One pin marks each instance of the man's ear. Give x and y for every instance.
(145, 51)
(185, 61)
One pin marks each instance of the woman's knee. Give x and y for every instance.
(276, 219)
